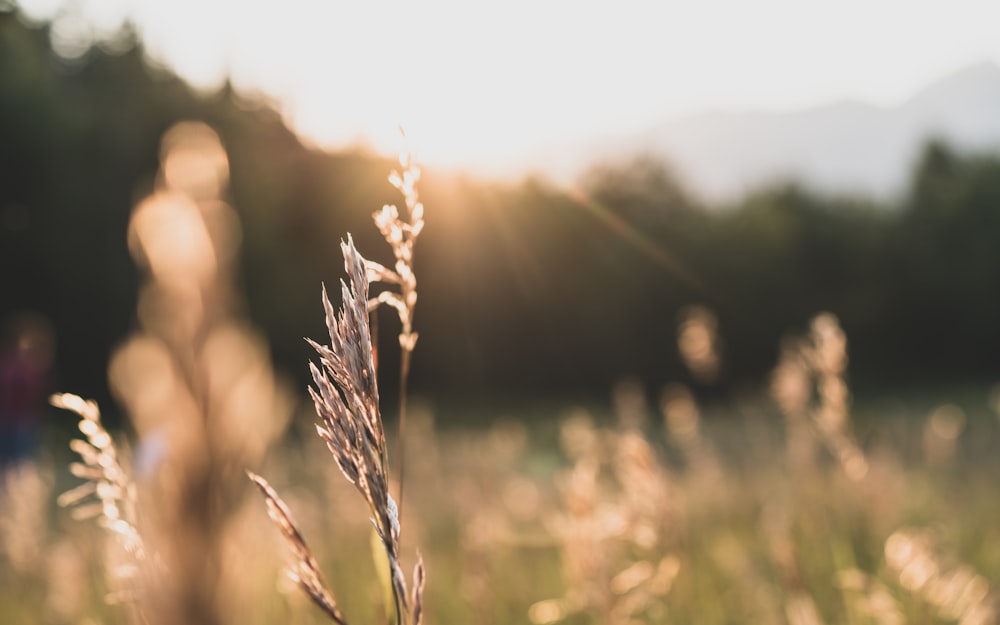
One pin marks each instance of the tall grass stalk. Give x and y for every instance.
(108, 495)
(346, 398)
(345, 395)
(401, 236)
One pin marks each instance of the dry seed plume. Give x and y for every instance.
(809, 386)
(956, 591)
(613, 527)
(346, 398)
(305, 571)
(345, 395)
(698, 342)
(401, 235)
(109, 495)
(827, 355)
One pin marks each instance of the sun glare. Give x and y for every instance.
(488, 86)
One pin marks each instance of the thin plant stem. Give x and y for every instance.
(401, 234)
(404, 375)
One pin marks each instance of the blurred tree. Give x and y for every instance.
(525, 287)
(948, 263)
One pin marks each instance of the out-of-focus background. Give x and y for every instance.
(589, 173)
(630, 206)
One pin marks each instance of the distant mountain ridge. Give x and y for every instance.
(842, 147)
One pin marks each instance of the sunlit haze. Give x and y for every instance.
(484, 86)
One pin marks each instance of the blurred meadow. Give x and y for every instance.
(630, 400)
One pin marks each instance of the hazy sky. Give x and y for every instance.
(481, 83)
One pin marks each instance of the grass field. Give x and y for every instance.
(790, 505)
(596, 517)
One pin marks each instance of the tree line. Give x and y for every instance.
(524, 288)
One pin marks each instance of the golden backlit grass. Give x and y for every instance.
(598, 522)
(779, 508)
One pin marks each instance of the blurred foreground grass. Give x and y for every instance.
(613, 516)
